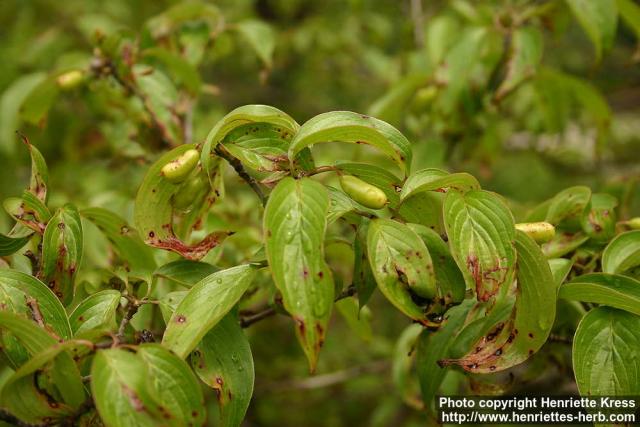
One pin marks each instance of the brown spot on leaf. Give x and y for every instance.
(181, 319)
(300, 325)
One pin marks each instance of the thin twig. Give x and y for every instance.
(560, 339)
(132, 309)
(333, 378)
(237, 166)
(247, 321)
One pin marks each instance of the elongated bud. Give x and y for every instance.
(541, 232)
(633, 223)
(70, 80)
(179, 169)
(362, 192)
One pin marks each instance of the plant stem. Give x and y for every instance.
(132, 309)
(237, 166)
(247, 321)
(560, 339)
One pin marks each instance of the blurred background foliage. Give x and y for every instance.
(530, 96)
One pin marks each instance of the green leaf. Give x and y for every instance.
(120, 391)
(401, 265)
(434, 346)
(10, 102)
(153, 213)
(568, 205)
(599, 19)
(14, 240)
(599, 220)
(391, 106)
(24, 398)
(173, 385)
(36, 105)
(29, 293)
(437, 180)
(185, 272)
(472, 47)
(363, 278)
(525, 56)
(223, 361)
(602, 288)
(260, 37)
(206, 303)
(39, 182)
(180, 69)
(357, 318)
(563, 243)
(451, 287)
(62, 252)
(560, 268)
(161, 99)
(136, 256)
(481, 230)
(402, 361)
(485, 319)
(259, 146)
(246, 114)
(347, 126)
(29, 211)
(375, 175)
(423, 208)
(180, 14)
(630, 14)
(294, 226)
(97, 312)
(605, 353)
(340, 205)
(169, 302)
(527, 330)
(622, 253)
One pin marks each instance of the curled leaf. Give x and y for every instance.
(62, 245)
(154, 212)
(622, 253)
(401, 265)
(347, 126)
(481, 230)
(437, 180)
(531, 321)
(246, 114)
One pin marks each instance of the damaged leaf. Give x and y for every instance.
(437, 180)
(62, 252)
(402, 267)
(350, 127)
(223, 361)
(204, 305)
(481, 234)
(294, 228)
(154, 213)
